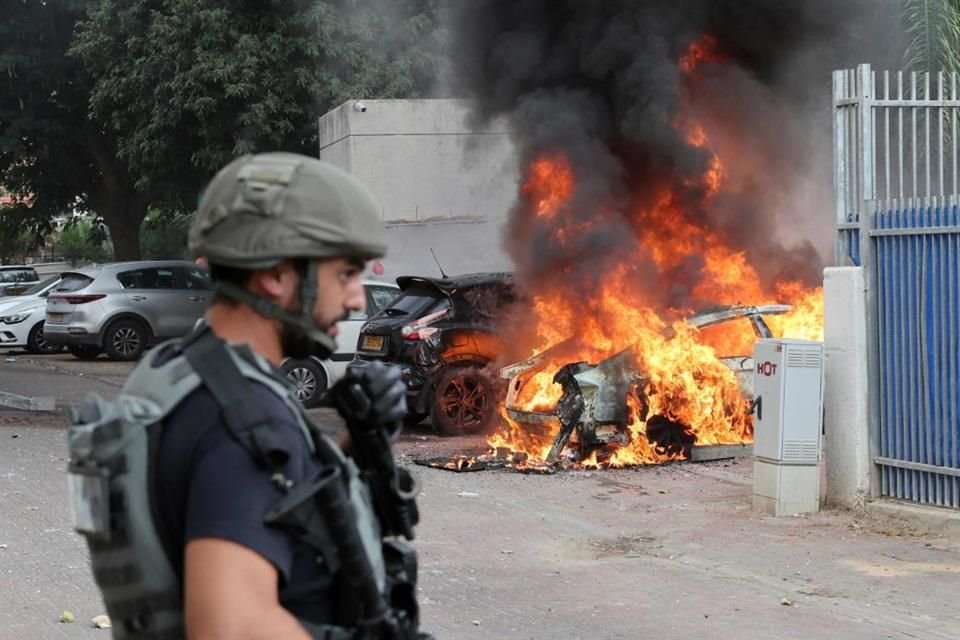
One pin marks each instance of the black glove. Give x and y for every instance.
(374, 395)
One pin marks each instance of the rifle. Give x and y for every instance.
(393, 488)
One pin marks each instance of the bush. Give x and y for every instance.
(84, 241)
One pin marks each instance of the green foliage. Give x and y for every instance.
(117, 106)
(163, 236)
(83, 241)
(933, 35)
(185, 87)
(44, 156)
(18, 235)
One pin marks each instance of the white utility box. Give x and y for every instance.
(787, 422)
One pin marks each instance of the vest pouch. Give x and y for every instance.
(90, 500)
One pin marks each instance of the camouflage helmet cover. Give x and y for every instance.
(261, 209)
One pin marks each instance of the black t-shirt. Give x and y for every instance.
(208, 486)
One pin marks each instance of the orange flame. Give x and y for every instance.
(684, 382)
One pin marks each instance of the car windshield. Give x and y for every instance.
(40, 286)
(415, 301)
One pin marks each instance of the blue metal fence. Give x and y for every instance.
(917, 259)
(897, 155)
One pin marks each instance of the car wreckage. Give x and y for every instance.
(593, 410)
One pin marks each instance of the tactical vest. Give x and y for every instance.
(112, 446)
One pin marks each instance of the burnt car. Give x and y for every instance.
(593, 409)
(443, 332)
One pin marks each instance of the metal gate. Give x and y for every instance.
(896, 199)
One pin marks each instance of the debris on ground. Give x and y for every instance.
(66, 617)
(101, 622)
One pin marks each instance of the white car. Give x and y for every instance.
(38, 291)
(21, 326)
(312, 375)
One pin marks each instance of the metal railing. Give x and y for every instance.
(896, 200)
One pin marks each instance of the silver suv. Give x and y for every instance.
(123, 308)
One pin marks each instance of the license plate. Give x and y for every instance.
(55, 317)
(372, 343)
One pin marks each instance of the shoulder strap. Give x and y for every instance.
(246, 420)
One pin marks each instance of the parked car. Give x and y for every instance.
(443, 332)
(312, 376)
(38, 291)
(22, 327)
(123, 308)
(15, 279)
(22, 316)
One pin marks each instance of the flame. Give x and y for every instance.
(704, 49)
(686, 391)
(549, 184)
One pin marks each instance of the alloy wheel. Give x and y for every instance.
(126, 341)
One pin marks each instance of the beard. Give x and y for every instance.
(296, 343)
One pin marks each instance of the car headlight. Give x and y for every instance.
(15, 318)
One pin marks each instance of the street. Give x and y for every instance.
(670, 552)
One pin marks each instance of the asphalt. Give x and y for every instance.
(670, 552)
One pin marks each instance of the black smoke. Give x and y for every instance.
(599, 81)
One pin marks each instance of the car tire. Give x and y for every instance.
(464, 401)
(125, 340)
(37, 344)
(84, 351)
(308, 378)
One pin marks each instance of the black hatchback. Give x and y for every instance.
(443, 332)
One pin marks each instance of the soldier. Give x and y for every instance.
(230, 514)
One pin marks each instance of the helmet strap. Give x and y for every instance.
(270, 309)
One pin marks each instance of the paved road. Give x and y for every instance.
(671, 552)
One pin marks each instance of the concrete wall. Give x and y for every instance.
(845, 397)
(422, 158)
(461, 246)
(443, 183)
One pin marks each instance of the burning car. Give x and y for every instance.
(443, 333)
(604, 407)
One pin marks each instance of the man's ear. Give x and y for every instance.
(276, 283)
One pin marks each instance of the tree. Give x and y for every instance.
(117, 106)
(933, 35)
(53, 156)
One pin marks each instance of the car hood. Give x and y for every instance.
(30, 305)
(16, 302)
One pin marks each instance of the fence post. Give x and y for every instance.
(866, 204)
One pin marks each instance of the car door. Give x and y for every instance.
(153, 293)
(197, 290)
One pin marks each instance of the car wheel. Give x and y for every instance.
(37, 344)
(84, 351)
(125, 340)
(308, 378)
(464, 401)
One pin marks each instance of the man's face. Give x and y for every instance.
(339, 291)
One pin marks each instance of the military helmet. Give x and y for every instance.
(261, 209)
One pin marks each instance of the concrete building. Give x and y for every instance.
(444, 183)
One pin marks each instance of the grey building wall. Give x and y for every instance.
(443, 184)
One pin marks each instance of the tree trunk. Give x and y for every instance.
(117, 201)
(124, 226)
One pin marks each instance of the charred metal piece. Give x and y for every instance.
(670, 437)
(569, 409)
